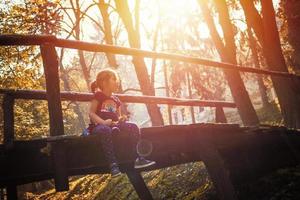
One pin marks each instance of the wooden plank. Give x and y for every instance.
(8, 112)
(220, 115)
(21, 40)
(50, 62)
(139, 185)
(77, 96)
(6, 40)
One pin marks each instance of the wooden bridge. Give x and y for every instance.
(233, 155)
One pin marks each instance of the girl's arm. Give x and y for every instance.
(119, 112)
(94, 117)
(121, 117)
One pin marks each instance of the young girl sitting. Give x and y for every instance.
(104, 115)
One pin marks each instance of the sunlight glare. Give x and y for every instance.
(203, 31)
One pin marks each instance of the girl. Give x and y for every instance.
(104, 115)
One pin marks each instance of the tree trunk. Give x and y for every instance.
(291, 9)
(67, 87)
(261, 86)
(227, 53)
(85, 70)
(108, 36)
(139, 64)
(103, 7)
(153, 66)
(167, 91)
(266, 30)
(190, 96)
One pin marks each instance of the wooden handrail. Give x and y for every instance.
(10, 40)
(80, 96)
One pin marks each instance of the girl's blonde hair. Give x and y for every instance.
(102, 76)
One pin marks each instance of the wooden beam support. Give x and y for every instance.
(8, 115)
(219, 174)
(12, 192)
(139, 185)
(216, 168)
(220, 115)
(50, 62)
(2, 193)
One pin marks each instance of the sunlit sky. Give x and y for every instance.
(172, 11)
(173, 15)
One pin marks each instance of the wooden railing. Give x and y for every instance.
(10, 95)
(22, 40)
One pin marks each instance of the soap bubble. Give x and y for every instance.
(144, 148)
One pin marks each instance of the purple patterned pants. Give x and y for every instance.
(106, 136)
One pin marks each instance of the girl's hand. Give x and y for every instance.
(108, 122)
(114, 123)
(123, 118)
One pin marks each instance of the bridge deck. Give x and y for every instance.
(232, 154)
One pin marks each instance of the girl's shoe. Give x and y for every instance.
(85, 132)
(114, 170)
(115, 130)
(141, 162)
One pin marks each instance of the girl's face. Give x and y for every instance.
(113, 84)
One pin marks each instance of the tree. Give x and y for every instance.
(266, 31)
(21, 66)
(108, 37)
(139, 63)
(103, 8)
(290, 15)
(262, 87)
(227, 52)
(78, 17)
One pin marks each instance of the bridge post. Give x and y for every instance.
(50, 62)
(219, 175)
(214, 163)
(139, 185)
(220, 115)
(8, 116)
(12, 192)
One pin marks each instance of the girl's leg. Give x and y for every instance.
(131, 128)
(135, 131)
(105, 133)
